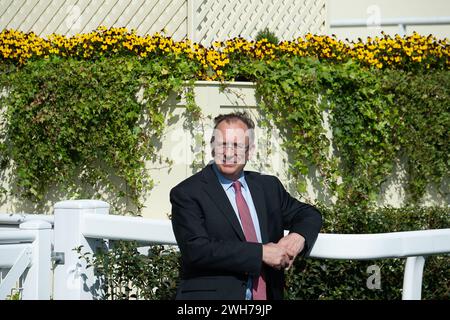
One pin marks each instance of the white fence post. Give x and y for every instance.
(412, 280)
(37, 283)
(71, 278)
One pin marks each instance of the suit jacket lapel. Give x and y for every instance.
(215, 191)
(260, 205)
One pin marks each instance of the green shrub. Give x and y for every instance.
(346, 279)
(270, 36)
(128, 274)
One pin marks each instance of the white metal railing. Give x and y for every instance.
(400, 22)
(17, 218)
(87, 223)
(93, 223)
(26, 253)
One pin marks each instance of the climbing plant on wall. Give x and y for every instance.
(89, 108)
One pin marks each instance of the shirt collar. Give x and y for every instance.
(227, 183)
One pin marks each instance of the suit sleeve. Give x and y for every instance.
(300, 218)
(199, 250)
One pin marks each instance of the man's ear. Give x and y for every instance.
(211, 144)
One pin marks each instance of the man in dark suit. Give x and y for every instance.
(229, 223)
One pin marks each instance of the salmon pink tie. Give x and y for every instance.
(259, 284)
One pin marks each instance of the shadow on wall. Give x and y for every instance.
(13, 202)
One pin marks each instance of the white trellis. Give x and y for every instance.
(27, 250)
(201, 21)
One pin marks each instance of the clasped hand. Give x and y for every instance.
(281, 255)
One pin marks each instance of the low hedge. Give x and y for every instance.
(347, 279)
(128, 274)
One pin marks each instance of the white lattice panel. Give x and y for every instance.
(209, 20)
(78, 16)
(289, 19)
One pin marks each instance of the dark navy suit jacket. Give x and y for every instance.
(216, 260)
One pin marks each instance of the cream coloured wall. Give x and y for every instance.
(373, 10)
(182, 144)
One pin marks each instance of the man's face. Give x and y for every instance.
(231, 148)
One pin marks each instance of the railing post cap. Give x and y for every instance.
(81, 204)
(35, 225)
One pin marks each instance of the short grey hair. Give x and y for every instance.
(235, 116)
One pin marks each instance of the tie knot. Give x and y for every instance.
(237, 186)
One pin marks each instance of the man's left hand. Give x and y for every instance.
(294, 244)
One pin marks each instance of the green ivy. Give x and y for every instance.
(72, 123)
(422, 102)
(365, 124)
(377, 118)
(290, 98)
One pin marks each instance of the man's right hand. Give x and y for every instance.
(275, 256)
